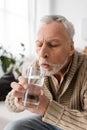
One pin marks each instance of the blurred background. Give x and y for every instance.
(19, 20)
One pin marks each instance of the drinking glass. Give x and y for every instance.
(35, 79)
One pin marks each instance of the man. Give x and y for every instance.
(63, 100)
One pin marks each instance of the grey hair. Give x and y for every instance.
(67, 24)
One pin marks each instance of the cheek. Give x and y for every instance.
(59, 56)
(55, 57)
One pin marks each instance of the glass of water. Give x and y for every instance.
(35, 79)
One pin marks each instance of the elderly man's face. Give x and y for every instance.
(53, 47)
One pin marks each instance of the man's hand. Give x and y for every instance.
(19, 90)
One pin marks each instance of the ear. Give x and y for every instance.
(71, 49)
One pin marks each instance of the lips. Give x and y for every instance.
(45, 66)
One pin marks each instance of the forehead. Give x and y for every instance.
(52, 29)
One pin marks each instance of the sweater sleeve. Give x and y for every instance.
(9, 102)
(65, 118)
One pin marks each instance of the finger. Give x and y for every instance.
(15, 85)
(18, 94)
(18, 103)
(32, 109)
(23, 81)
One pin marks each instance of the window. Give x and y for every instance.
(14, 24)
(18, 22)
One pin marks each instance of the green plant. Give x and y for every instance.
(9, 62)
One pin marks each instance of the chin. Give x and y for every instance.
(50, 72)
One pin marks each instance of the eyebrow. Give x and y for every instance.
(48, 40)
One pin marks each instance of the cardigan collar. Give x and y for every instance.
(69, 73)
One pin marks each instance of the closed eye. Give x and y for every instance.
(53, 44)
(39, 44)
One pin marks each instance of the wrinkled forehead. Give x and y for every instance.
(52, 29)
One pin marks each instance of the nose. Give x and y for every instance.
(44, 52)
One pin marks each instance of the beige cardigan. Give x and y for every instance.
(68, 108)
